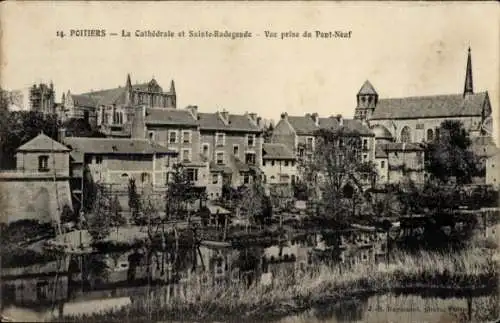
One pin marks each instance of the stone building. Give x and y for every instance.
(112, 110)
(415, 119)
(39, 97)
(278, 164)
(297, 133)
(39, 187)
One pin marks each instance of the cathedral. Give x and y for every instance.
(416, 119)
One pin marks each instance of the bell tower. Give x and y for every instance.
(366, 100)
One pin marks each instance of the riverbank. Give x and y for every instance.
(469, 270)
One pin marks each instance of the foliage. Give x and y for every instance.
(336, 173)
(99, 220)
(78, 127)
(180, 192)
(19, 127)
(89, 190)
(281, 195)
(133, 199)
(268, 132)
(449, 156)
(68, 215)
(116, 217)
(254, 203)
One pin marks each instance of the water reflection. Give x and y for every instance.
(80, 283)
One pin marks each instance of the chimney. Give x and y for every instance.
(258, 121)
(284, 116)
(194, 111)
(225, 116)
(315, 118)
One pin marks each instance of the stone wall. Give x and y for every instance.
(35, 199)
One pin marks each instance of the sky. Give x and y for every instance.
(404, 49)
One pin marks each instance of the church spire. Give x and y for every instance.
(468, 87)
(129, 82)
(172, 87)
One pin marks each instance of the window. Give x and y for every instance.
(220, 139)
(419, 126)
(286, 162)
(272, 162)
(236, 150)
(263, 163)
(430, 135)
(186, 137)
(250, 158)
(151, 135)
(186, 155)
(406, 135)
(172, 137)
(382, 164)
(192, 174)
(98, 159)
(246, 178)
(250, 140)
(309, 143)
(293, 163)
(301, 152)
(215, 178)
(205, 150)
(220, 158)
(365, 144)
(43, 163)
(293, 179)
(145, 178)
(365, 157)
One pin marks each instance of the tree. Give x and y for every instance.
(254, 203)
(335, 174)
(268, 132)
(133, 199)
(448, 156)
(78, 127)
(180, 192)
(99, 220)
(19, 127)
(117, 218)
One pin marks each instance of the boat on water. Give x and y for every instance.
(215, 244)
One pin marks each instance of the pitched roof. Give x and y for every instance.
(169, 116)
(303, 125)
(367, 88)
(276, 151)
(83, 100)
(434, 106)
(236, 122)
(380, 152)
(119, 146)
(43, 142)
(333, 123)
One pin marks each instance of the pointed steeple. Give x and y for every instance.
(172, 87)
(129, 82)
(469, 85)
(367, 88)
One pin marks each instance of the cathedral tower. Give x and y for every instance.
(367, 99)
(469, 85)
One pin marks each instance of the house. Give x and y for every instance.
(178, 130)
(278, 164)
(116, 160)
(39, 187)
(232, 144)
(416, 119)
(486, 151)
(298, 133)
(397, 161)
(112, 110)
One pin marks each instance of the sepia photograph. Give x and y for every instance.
(284, 162)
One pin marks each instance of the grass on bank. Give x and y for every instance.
(472, 268)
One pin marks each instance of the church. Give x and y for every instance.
(416, 119)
